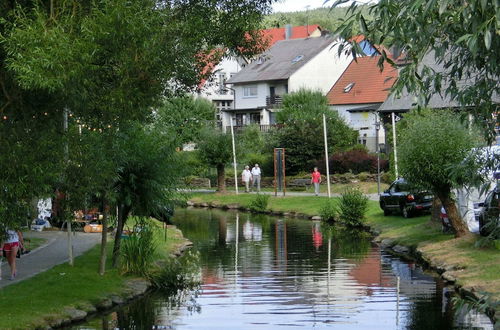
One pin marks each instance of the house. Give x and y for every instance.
(215, 88)
(358, 94)
(288, 66)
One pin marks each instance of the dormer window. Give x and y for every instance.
(348, 88)
(297, 58)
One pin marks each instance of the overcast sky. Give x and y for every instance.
(300, 5)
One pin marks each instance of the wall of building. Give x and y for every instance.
(321, 72)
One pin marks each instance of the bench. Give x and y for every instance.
(301, 184)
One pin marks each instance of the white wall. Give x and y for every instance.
(243, 102)
(321, 72)
(210, 89)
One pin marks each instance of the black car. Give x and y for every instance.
(400, 198)
(489, 214)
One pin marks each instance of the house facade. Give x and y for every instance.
(288, 66)
(357, 96)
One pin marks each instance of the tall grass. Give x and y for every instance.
(259, 204)
(177, 274)
(139, 249)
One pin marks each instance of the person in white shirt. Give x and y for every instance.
(256, 177)
(13, 242)
(246, 176)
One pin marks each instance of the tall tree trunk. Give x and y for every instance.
(104, 239)
(123, 212)
(436, 210)
(459, 226)
(221, 178)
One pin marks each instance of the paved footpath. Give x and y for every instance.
(52, 253)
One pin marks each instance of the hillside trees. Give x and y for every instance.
(301, 130)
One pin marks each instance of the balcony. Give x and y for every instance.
(239, 128)
(274, 101)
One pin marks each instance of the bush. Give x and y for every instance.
(328, 211)
(352, 207)
(177, 274)
(259, 204)
(138, 250)
(354, 160)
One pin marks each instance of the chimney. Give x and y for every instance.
(288, 31)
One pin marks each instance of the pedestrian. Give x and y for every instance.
(256, 173)
(246, 176)
(316, 180)
(11, 246)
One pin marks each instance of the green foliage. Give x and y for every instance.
(138, 249)
(215, 147)
(302, 130)
(186, 116)
(329, 211)
(259, 203)
(251, 140)
(432, 148)
(352, 207)
(177, 274)
(460, 36)
(485, 304)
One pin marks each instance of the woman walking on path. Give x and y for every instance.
(246, 176)
(316, 180)
(12, 244)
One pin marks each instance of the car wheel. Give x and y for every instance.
(386, 211)
(406, 211)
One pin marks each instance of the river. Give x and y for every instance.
(264, 272)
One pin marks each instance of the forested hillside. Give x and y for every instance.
(327, 18)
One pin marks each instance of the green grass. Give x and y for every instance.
(45, 295)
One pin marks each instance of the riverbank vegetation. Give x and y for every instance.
(474, 268)
(25, 305)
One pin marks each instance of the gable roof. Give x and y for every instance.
(272, 36)
(282, 60)
(369, 84)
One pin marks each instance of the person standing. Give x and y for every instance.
(256, 173)
(246, 176)
(12, 244)
(316, 180)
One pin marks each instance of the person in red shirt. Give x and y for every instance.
(316, 180)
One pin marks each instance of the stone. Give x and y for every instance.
(190, 203)
(316, 217)
(117, 300)
(386, 243)
(75, 314)
(204, 204)
(233, 206)
(138, 286)
(449, 277)
(400, 249)
(104, 304)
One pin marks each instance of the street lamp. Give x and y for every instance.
(377, 146)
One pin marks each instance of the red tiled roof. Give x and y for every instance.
(277, 34)
(370, 84)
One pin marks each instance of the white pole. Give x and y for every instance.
(66, 158)
(234, 159)
(394, 144)
(326, 157)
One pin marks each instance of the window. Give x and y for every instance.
(348, 88)
(250, 91)
(297, 58)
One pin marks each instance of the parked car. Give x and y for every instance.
(489, 213)
(400, 198)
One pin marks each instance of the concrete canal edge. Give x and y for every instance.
(133, 289)
(408, 253)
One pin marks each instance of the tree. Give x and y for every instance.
(301, 130)
(215, 148)
(432, 146)
(461, 36)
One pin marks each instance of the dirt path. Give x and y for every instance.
(53, 253)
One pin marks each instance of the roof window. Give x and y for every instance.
(348, 88)
(297, 58)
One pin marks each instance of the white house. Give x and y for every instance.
(289, 65)
(357, 96)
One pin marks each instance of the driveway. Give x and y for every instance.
(53, 253)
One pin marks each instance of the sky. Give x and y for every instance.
(301, 5)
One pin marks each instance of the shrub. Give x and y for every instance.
(259, 204)
(355, 160)
(177, 274)
(328, 211)
(139, 249)
(352, 207)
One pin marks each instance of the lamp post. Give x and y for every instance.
(377, 146)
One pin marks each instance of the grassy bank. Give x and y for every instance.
(475, 268)
(45, 295)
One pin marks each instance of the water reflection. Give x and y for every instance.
(262, 272)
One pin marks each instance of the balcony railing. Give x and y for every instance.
(239, 128)
(274, 101)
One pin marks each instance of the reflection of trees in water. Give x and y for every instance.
(346, 243)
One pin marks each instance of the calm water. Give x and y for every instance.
(262, 272)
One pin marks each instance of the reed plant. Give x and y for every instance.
(139, 249)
